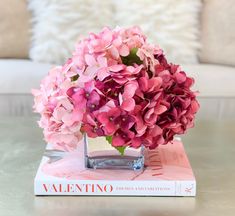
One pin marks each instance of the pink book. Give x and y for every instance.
(167, 173)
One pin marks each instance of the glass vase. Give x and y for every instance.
(99, 154)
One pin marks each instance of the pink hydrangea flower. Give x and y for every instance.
(118, 85)
(108, 120)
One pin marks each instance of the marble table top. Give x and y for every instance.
(211, 151)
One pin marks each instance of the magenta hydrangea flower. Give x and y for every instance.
(108, 120)
(116, 85)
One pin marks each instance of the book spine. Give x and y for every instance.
(115, 188)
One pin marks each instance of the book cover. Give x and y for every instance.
(167, 173)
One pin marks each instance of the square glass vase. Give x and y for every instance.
(99, 154)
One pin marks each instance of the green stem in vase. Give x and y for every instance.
(121, 149)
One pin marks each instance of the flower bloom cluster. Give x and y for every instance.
(119, 86)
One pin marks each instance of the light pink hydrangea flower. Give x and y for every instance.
(116, 85)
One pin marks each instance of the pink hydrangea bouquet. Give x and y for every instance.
(119, 86)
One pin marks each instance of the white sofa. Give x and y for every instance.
(214, 82)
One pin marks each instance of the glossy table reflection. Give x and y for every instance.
(210, 147)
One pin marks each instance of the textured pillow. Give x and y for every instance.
(14, 29)
(58, 24)
(218, 32)
(174, 25)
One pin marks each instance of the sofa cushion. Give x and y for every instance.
(20, 76)
(212, 80)
(218, 32)
(14, 29)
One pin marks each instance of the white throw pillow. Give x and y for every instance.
(173, 24)
(57, 24)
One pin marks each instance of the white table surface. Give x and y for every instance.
(210, 147)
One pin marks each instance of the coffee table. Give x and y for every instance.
(210, 147)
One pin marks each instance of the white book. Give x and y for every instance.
(167, 173)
